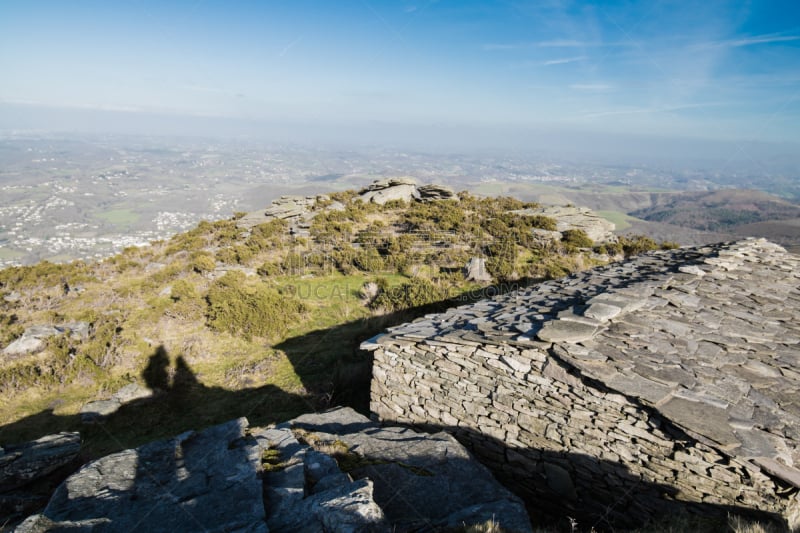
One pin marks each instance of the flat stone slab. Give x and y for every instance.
(566, 331)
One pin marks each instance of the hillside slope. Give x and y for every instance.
(225, 321)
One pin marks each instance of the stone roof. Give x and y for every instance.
(708, 336)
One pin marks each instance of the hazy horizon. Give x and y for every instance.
(647, 78)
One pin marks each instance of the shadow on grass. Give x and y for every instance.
(332, 369)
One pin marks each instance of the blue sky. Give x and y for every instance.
(711, 69)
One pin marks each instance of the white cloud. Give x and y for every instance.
(654, 109)
(563, 60)
(750, 41)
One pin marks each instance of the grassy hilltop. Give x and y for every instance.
(229, 321)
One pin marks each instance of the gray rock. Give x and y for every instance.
(197, 481)
(475, 270)
(23, 463)
(347, 507)
(98, 410)
(436, 192)
(419, 479)
(34, 338)
(596, 227)
(566, 331)
(395, 192)
(601, 311)
(25, 345)
(132, 392)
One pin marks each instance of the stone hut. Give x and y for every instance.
(621, 393)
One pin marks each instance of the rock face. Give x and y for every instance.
(596, 227)
(668, 378)
(34, 339)
(333, 471)
(196, 481)
(404, 481)
(23, 467)
(22, 463)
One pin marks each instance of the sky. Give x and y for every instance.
(723, 70)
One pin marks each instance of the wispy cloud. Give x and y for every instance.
(591, 86)
(492, 47)
(750, 41)
(556, 43)
(566, 43)
(563, 60)
(290, 46)
(653, 109)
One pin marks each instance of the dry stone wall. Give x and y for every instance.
(562, 436)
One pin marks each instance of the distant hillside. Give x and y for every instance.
(723, 210)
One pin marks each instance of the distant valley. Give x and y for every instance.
(88, 198)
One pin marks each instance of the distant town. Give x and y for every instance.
(67, 198)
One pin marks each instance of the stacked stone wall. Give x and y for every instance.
(556, 436)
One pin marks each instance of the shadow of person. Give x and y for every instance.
(155, 374)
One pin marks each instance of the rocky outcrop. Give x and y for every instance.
(333, 471)
(567, 217)
(405, 189)
(386, 190)
(297, 210)
(435, 192)
(22, 463)
(197, 481)
(396, 478)
(23, 467)
(98, 410)
(34, 339)
(618, 392)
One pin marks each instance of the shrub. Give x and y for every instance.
(202, 262)
(417, 292)
(501, 259)
(637, 244)
(249, 309)
(368, 260)
(576, 238)
(183, 290)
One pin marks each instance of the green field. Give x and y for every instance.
(8, 253)
(618, 218)
(119, 217)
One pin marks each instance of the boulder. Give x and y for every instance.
(22, 463)
(388, 189)
(34, 339)
(475, 270)
(396, 192)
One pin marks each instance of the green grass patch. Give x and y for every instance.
(618, 218)
(10, 253)
(119, 217)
